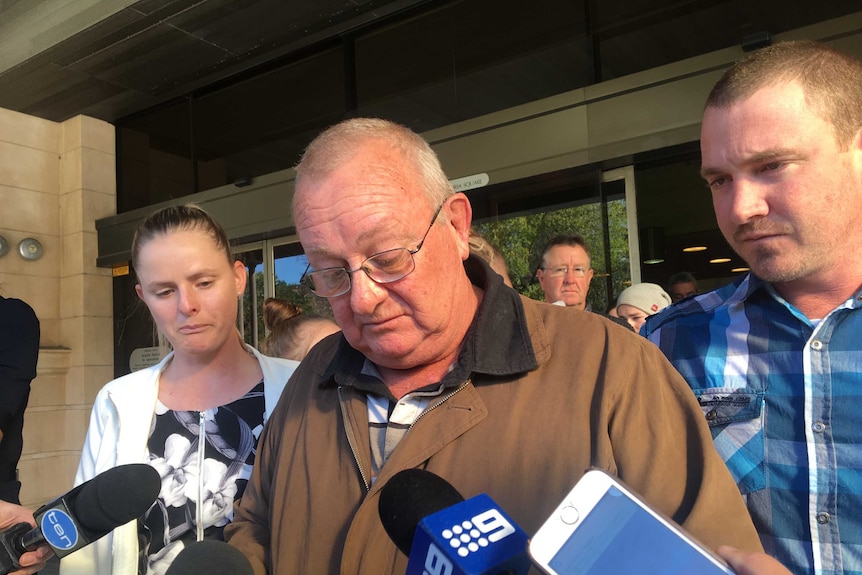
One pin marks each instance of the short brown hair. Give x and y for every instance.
(572, 240)
(831, 81)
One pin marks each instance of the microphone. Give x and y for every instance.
(84, 514)
(210, 557)
(441, 533)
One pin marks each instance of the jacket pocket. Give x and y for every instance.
(735, 419)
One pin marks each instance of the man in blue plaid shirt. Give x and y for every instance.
(775, 357)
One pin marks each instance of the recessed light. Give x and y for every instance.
(740, 270)
(654, 261)
(719, 261)
(691, 249)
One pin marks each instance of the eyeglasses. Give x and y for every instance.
(383, 268)
(561, 271)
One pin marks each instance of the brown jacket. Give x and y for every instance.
(596, 395)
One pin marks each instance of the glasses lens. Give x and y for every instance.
(329, 282)
(563, 270)
(389, 266)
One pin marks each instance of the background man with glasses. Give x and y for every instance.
(441, 366)
(565, 273)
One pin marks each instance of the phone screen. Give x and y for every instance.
(618, 536)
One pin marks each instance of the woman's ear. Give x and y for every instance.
(240, 276)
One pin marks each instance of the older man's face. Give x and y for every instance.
(370, 204)
(566, 275)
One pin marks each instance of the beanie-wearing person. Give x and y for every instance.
(637, 302)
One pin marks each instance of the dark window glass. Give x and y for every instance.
(636, 35)
(263, 124)
(230, 135)
(154, 157)
(470, 58)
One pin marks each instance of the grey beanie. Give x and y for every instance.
(650, 298)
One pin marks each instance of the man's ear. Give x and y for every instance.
(856, 152)
(459, 214)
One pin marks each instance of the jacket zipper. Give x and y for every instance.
(351, 440)
(202, 438)
(442, 400)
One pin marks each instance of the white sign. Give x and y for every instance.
(144, 357)
(470, 182)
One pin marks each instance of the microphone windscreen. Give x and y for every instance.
(117, 496)
(210, 557)
(408, 497)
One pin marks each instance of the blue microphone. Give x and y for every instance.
(442, 534)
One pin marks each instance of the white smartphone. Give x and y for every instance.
(602, 528)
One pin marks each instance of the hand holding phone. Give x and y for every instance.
(602, 527)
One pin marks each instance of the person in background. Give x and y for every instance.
(19, 353)
(196, 416)
(292, 333)
(565, 272)
(31, 561)
(681, 285)
(774, 357)
(637, 302)
(485, 250)
(443, 367)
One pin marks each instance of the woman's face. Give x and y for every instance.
(191, 290)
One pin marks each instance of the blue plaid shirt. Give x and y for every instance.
(782, 398)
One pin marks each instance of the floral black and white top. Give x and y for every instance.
(230, 435)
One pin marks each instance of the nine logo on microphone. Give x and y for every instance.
(474, 536)
(469, 536)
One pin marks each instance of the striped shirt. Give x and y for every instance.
(781, 395)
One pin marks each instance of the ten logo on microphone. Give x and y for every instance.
(59, 529)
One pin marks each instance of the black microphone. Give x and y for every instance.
(210, 557)
(84, 514)
(440, 532)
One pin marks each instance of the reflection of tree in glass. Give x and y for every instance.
(522, 238)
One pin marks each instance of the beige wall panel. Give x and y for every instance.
(29, 131)
(96, 135)
(99, 172)
(84, 295)
(28, 168)
(49, 387)
(79, 254)
(71, 176)
(47, 476)
(27, 213)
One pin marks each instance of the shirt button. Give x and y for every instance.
(823, 518)
(711, 414)
(818, 426)
(816, 344)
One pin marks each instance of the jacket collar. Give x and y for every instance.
(498, 342)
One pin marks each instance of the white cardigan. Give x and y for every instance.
(118, 431)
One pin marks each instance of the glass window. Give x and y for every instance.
(524, 225)
(469, 58)
(229, 135)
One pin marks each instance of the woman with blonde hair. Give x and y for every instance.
(196, 416)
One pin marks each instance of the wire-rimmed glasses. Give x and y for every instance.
(383, 268)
